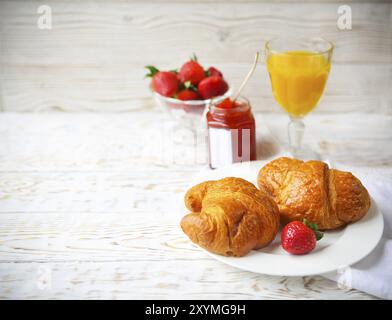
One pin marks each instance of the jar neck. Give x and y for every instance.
(240, 109)
(231, 118)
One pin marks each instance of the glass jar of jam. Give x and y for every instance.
(231, 132)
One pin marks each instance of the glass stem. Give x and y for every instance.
(296, 129)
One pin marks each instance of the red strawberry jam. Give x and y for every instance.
(231, 132)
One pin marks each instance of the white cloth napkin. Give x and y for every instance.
(373, 274)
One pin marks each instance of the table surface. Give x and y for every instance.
(87, 206)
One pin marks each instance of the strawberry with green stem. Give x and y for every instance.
(163, 82)
(191, 71)
(300, 237)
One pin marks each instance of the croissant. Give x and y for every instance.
(230, 217)
(330, 198)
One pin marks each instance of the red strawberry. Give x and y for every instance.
(191, 71)
(226, 104)
(212, 71)
(212, 86)
(164, 82)
(300, 238)
(187, 94)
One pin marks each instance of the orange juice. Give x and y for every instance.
(298, 79)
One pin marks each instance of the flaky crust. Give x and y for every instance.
(230, 217)
(328, 197)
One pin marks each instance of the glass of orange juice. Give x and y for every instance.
(298, 69)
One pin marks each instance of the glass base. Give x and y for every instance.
(304, 154)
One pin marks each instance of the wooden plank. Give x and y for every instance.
(119, 142)
(127, 32)
(148, 141)
(118, 256)
(97, 192)
(140, 280)
(362, 87)
(143, 235)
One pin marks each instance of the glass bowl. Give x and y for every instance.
(188, 113)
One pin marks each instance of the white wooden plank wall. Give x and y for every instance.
(93, 57)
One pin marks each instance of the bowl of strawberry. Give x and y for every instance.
(186, 92)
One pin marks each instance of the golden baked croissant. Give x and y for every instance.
(230, 216)
(330, 198)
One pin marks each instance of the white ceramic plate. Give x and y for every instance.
(337, 249)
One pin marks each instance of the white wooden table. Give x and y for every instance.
(87, 208)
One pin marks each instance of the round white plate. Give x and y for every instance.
(337, 249)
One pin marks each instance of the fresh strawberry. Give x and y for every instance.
(187, 94)
(191, 71)
(212, 71)
(226, 104)
(164, 82)
(212, 86)
(300, 237)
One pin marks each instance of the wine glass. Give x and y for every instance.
(298, 70)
